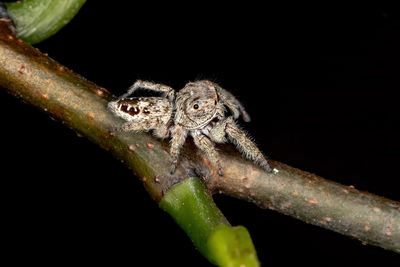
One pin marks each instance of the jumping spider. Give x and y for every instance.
(197, 110)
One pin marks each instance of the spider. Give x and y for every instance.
(197, 110)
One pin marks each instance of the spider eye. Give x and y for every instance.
(195, 106)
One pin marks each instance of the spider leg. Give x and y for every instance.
(133, 126)
(157, 87)
(232, 103)
(245, 145)
(178, 139)
(217, 133)
(162, 131)
(207, 146)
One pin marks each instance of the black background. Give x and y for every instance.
(319, 82)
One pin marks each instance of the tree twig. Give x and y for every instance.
(81, 105)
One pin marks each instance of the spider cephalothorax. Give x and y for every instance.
(197, 110)
(196, 105)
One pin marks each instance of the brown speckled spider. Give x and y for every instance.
(197, 110)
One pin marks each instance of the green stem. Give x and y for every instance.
(194, 210)
(37, 20)
(82, 106)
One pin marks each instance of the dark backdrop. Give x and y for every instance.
(319, 82)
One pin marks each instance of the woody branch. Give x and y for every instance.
(49, 86)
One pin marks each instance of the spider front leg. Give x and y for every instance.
(157, 87)
(245, 145)
(207, 146)
(178, 139)
(232, 103)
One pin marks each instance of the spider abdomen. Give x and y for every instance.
(143, 109)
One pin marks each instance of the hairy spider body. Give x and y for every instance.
(197, 110)
(144, 114)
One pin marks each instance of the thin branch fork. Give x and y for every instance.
(82, 106)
